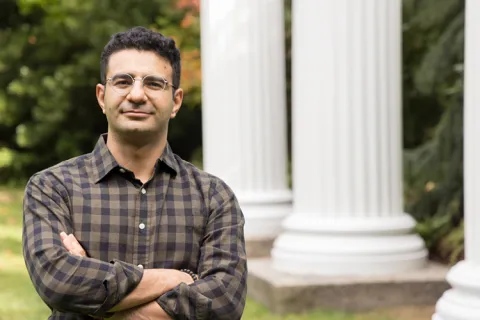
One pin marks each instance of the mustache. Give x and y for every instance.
(140, 108)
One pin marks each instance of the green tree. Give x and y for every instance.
(49, 65)
(433, 122)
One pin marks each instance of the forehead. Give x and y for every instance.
(138, 63)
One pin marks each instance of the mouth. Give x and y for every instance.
(136, 114)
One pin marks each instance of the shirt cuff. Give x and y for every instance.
(184, 302)
(119, 283)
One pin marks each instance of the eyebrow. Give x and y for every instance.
(141, 75)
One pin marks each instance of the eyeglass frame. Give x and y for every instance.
(167, 83)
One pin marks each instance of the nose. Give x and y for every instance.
(137, 94)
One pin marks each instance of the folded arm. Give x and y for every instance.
(221, 291)
(79, 284)
(129, 307)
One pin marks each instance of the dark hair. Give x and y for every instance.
(143, 39)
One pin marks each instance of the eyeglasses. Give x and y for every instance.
(123, 83)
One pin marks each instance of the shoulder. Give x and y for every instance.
(219, 198)
(61, 174)
(211, 185)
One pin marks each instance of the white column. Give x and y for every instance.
(347, 163)
(244, 107)
(462, 302)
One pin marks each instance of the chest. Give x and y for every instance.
(157, 226)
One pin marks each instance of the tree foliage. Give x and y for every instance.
(49, 66)
(433, 116)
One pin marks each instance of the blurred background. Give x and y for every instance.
(49, 66)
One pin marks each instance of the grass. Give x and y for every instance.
(20, 301)
(256, 311)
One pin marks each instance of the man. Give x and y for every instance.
(130, 230)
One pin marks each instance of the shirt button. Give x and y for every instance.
(141, 225)
(140, 266)
(122, 170)
(144, 191)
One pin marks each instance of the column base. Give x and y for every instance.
(258, 248)
(284, 293)
(264, 213)
(329, 245)
(462, 302)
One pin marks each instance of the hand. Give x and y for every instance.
(72, 245)
(130, 314)
(151, 310)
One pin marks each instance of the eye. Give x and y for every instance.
(154, 83)
(122, 81)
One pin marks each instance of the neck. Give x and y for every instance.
(138, 155)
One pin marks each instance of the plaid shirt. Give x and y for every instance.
(181, 218)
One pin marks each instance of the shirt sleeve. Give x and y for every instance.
(221, 291)
(65, 282)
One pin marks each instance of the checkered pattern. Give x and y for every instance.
(183, 218)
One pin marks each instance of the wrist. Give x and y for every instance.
(170, 278)
(190, 273)
(163, 279)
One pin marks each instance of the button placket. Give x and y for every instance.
(142, 226)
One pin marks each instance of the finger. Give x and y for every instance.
(75, 246)
(63, 235)
(74, 253)
(73, 241)
(67, 243)
(70, 243)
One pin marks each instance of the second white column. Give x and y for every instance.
(347, 177)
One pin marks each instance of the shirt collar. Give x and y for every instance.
(103, 161)
(169, 160)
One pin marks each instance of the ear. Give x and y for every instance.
(100, 92)
(177, 102)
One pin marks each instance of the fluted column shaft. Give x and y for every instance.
(244, 107)
(347, 177)
(462, 302)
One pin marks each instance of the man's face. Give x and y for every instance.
(140, 111)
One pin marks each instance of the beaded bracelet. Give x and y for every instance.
(189, 272)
